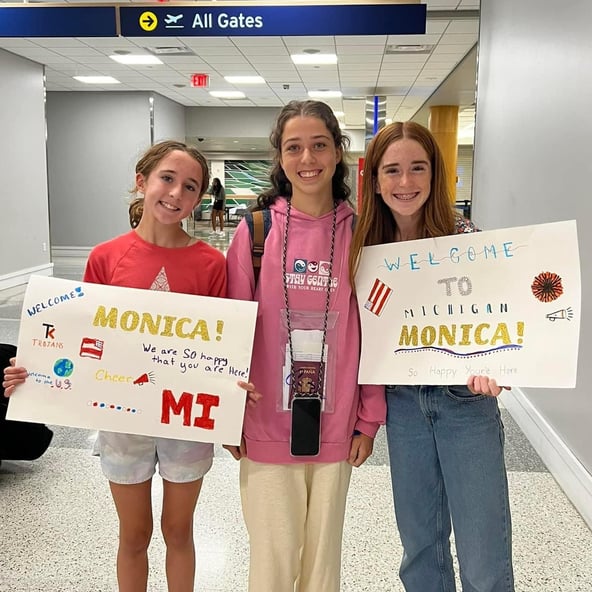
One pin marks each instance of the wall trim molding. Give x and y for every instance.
(70, 252)
(17, 278)
(568, 471)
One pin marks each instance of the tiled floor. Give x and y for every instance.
(58, 529)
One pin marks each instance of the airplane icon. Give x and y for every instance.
(171, 19)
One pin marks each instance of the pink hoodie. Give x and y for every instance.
(348, 406)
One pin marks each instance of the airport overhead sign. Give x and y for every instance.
(151, 20)
(284, 20)
(32, 20)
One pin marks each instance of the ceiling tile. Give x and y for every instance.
(406, 80)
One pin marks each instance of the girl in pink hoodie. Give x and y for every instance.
(314, 421)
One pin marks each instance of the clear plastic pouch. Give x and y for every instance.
(307, 335)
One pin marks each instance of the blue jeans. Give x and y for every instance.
(446, 449)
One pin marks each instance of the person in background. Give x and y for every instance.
(446, 443)
(19, 440)
(156, 255)
(306, 351)
(219, 205)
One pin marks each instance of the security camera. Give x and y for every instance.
(286, 86)
(200, 139)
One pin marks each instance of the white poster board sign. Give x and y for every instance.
(133, 361)
(503, 303)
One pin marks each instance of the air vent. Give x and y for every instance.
(408, 49)
(174, 50)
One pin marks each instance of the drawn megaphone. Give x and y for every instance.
(141, 379)
(144, 378)
(561, 314)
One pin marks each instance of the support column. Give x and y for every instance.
(443, 124)
(375, 116)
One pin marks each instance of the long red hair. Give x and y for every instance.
(376, 224)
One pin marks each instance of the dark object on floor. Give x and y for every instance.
(197, 213)
(19, 440)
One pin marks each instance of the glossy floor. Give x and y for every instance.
(58, 529)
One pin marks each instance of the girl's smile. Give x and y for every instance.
(404, 178)
(309, 157)
(171, 190)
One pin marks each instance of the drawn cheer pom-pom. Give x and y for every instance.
(547, 286)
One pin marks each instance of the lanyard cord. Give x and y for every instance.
(321, 377)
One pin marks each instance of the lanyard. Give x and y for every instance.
(321, 377)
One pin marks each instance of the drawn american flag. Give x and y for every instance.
(91, 348)
(379, 294)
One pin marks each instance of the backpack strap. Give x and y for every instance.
(259, 224)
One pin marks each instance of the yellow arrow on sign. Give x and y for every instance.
(148, 21)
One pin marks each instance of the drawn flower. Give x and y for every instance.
(547, 286)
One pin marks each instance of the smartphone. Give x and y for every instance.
(305, 437)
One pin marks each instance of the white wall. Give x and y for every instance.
(229, 122)
(169, 119)
(24, 225)
(94, 141)
(532, 165)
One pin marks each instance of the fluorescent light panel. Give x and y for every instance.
(245, 79)
(227, 94)
(97, 79)
(316, 59)
(136, 60)
(324, 94)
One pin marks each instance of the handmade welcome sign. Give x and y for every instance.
(133, 361)
(503, 303)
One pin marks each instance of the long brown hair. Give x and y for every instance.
(280, 186)
(376, 224)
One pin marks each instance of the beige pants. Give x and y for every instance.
(294, 515)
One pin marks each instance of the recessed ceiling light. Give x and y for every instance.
(135, 59)
(170, 50)
(338, 113)
(410, 48)
(312, 59)
(245, 79)
(324, 94)
(227, 94)
(97, 79)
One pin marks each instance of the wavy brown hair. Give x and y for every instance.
(376, 224)
(135, 211)
(280, 186)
